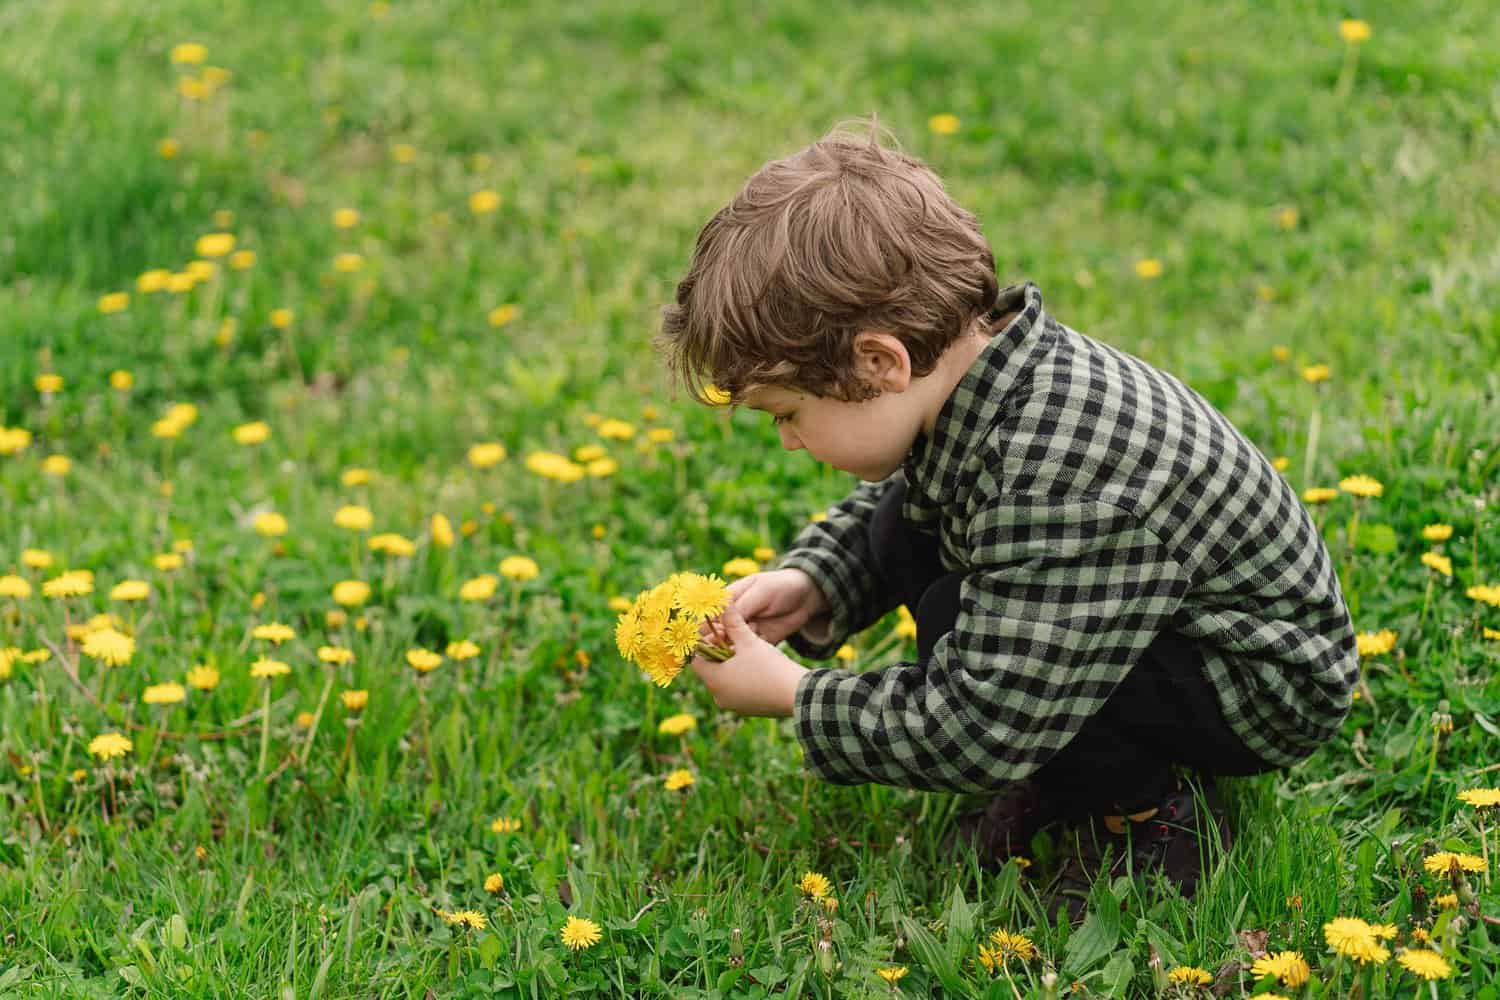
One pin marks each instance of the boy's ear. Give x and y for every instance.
(881, 360)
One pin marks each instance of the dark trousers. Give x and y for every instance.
(1163, 713)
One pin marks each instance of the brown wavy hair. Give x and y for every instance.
(844, 236)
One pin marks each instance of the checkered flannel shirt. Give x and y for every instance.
(1093, 501)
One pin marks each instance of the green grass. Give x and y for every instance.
(612, 133)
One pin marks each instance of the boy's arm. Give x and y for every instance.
(1066, 596)
(835, 552)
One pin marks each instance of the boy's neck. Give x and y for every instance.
(955, 363)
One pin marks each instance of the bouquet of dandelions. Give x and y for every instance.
(660, 629)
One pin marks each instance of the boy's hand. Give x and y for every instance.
(758, 679)
(778, 602)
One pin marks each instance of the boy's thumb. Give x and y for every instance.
(734, 623)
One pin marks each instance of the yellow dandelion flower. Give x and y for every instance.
(701, 596)
(167, 562)
(1384, 932)
(240, 260)
(846, 653)
(1440, 563)
(1442, 861)
(14, 586)
(281, 318)
(1447, 901)
(121, 380)
(681, 636)
(1483, 592)
(203, 677)
(741, 567)
(1353, 938)
(335, 654)
(503, 314)
(579, 933)
(351, 593)
(354, 518)
(943, 123)
(214, 244)
(188, 53)
(505, 824)
(815, 884)
(463, 649)
(114, 302)
(255, 432)
(274, 632)
(109, 647)
(1008, 945)
(892, 974)
(392, 544)
(346, 218)
(440, 530)
(615, 430)
(494, 883)
(1287, 217)
(1318, 494)
(1437, 532)
(423, 661)
(1361, 486)
(1147, 268)
(1375, 643)
(678, 779)
(168, 148)
(588, 452)
(484, 202)
(660, 435)
(265, 669)
(906, 625)
(110, 745)
(479, 588)
(403, 152)
(270, 524)
(1190, 975)
(1316, 373)
(169, 693)
(1425, 963)
(354, 699)
(1353, 31)
(1281, 463)
(14, 440)
(1288, 966)
(660, 663)
(347, 263)
(154, 280)
(471, 919)
(519, 568)
(676, 725)
(355, 476)
(57, 465)
(49, 382)
(486, 454)
(1480, 798)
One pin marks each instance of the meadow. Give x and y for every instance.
(332, 442)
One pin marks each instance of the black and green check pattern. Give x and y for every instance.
(1094, 501)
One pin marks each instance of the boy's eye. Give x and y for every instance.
(781, 418)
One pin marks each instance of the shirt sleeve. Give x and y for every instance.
(835, 552)
(1064, 595)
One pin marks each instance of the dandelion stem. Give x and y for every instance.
(1309, 460)
(1426, 597)
(312, 730)
(426, 727)
(265, 726)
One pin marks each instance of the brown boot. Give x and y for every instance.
(1003, 827)
(1175, 837)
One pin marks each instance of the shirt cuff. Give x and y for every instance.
(821, 639)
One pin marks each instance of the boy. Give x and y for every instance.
(1108, 580)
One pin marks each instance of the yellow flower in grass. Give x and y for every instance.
(1318, 494)
(519, 568)
(1483, 592)
(1385, 932)
(14, 440)
(335, 654)
(1447, 901)
(392, 544)
(1480, 798)
(168, 148)
(265, 669)
(109, 647)
(423, 661)
(347, 263)
(1442, 861)
(440, 529)
(617, 430)
(1440, 563)
(153, 280)
(678, 779)
(255, 432)
(479, 588)
(1375, 643)
(892, 974)
(503, 314)
(114, 302)
(242, 260)
(353, 517)
(741, 567)
(1425, 963)
(1316, 373)
(203, 677)
(1147, 268)
(167, 562)
(660, 435)
(1007, 945)
(579, 933)
(270, 524)
(188, 53)
(815, 884)
(486, 454)
(846, 653)
(906, 625)
(107, 746)
(57, 465)
(1354, 31)
(463, 649)
(169, 693)
(351, 593)
(354, 699)
(1437, 532)
(943, 123)
(1353, 938)
(1190, 975)
(121, 380)
(9, 655)
(403, 152)
(601, 468)
(676, 725)
(1361, 486)
(1288, 966)
(346, 218)
(588, 452)
(505, 824)
(471, 919)
(273, 632)
(355, 476)
(494, 883)
(14, 586)
(214, 244)
(281, 318)
(484, 202)
(551, 465)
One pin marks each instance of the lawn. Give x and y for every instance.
(293, 295)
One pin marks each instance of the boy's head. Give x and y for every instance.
(846, 237)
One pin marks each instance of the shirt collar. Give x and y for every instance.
(935, 463)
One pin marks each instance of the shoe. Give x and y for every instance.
(1003, 827)
(1170, 838)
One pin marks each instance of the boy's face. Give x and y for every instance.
(867, 438)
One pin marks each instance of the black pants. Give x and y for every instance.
(1163, 713)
